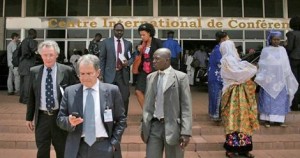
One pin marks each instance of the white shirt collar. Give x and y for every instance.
(95, 86)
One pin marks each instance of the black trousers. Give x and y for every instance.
(98, 149)
(48, 132)
(24, 88)
(174, 63)
(124, 89)
(295, 66)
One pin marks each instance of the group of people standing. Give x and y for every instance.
(83, 114)
(232, 88)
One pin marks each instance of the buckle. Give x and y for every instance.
(49, 113)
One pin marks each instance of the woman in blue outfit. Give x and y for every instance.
(214, 78)
(278, 84)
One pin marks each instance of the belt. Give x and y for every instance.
(49, 113)
(99, 139)
(162, 120)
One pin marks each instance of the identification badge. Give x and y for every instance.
(147, 50)
(108, 115)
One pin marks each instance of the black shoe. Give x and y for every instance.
(10, 93)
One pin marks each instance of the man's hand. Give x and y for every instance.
(75, 121)
(184, 141)
(30, 125)
(125, 63)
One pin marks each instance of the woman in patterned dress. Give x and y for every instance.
(238, 105)
(278, 83)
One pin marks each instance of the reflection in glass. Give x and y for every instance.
(99, 7)
(189, 8)
(56, 7)
(211, 8)
(167, 8)
(9, 32)
(104, 33)
(39, 33)
(232, 8)
(209, 34)
(235, 34)
(164, 33)
(273, 8)
(35, 7)
(121, 7)
(143, 8)
(253, 8)
(13, 8)
(251, 34)
(189, 34)
(76, 33)
(293, 8)
(77, 7)
(55, 34)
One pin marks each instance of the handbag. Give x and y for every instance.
(136, 64)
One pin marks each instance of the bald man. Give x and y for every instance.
(167, 113)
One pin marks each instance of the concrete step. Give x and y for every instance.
(256, 153)
(197, 143)
(199, 128)
(30, 153)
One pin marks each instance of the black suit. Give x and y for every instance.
(73, 102)
(46, 130)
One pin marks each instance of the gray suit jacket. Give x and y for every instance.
(177, 106)
(293, 47)
(73, 102)
(65, 76)
(108, 60)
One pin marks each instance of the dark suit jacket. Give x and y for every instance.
(108, 60)
(293, 47)
(73, 102)
(65, 77)
(27, 60)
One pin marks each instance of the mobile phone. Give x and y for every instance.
(75, 114)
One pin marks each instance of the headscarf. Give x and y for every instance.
(233, 70)
(274, 71)
(272, 34)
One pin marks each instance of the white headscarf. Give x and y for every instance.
(233, 70)
(275, 73)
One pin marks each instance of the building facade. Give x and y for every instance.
(73, 23)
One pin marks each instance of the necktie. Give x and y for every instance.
(119, 51)
(159, 109)
(89, 119)
(49, 91)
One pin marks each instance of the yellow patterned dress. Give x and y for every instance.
(239, 115)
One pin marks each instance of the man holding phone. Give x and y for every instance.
(47, 82)
(93, 114)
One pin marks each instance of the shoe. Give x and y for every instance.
(267, 124)
(230, 154)
(17, 93)
(282, 125)
(10, 93)
(249, 155)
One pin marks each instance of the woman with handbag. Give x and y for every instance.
(143, 61)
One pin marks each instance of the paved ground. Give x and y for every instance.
(9, 107)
